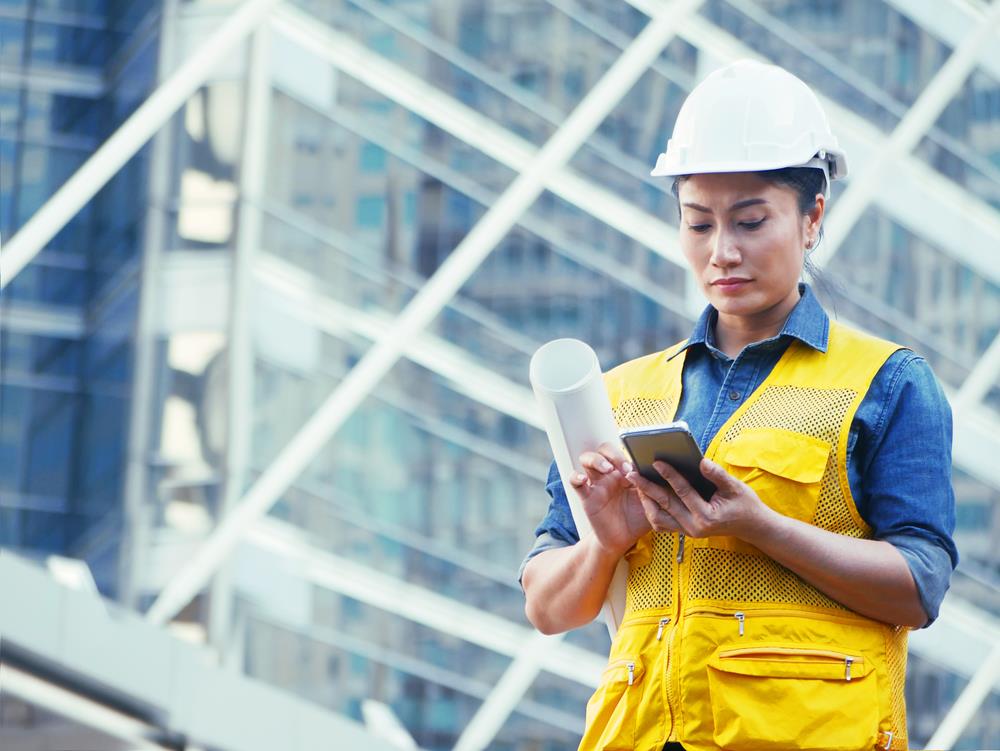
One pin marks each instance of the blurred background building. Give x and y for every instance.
(178, 343)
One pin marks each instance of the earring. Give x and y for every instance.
(809, 244)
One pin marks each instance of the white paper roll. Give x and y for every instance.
(566, 377)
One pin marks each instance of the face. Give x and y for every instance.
(745, 241)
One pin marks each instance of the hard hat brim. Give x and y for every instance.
(663, 168)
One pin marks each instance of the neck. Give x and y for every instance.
(734, 332)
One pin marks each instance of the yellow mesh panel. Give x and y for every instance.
(638, 413)
(895, 654)
(725, 575)
(650, 586)
(814, 412)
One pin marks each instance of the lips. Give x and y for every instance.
(732, 281)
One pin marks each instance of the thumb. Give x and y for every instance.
(722, 480)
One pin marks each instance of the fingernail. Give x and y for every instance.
(605, 466)
(627, 467)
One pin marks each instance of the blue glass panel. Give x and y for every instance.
(372, 158)
(370, 212)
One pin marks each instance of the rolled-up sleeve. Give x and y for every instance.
(557, 529)
(906, 488)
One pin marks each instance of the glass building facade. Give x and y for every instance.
(166, 347)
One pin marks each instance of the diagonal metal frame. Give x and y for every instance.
(491, 138)
(922, 115)
(950, 21)
(963, 711)
(931, 206)
(133, 134)
(428, 302)
(413, 602)
(965, 391)
(507, 693)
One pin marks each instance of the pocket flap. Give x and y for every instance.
(791, 661)
(796, 456)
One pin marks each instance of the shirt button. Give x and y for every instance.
(734, 395)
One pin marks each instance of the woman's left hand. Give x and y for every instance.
(734, 509)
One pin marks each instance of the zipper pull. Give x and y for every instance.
(740, 617)
(659, 631)
(631, 673)
(680, 548)
(847, 668)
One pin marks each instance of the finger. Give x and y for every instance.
(722, 480)
(658, 519)
(596, 461)
(612, 452)
(657, 492)
(688, 496)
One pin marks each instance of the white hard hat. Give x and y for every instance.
(748, 117)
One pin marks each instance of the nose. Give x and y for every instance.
(725, 250)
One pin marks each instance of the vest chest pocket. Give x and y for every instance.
(772, 696)
(784, 468)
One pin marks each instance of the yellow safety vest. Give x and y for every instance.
(721, 647)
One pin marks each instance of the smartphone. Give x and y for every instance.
(672, 444)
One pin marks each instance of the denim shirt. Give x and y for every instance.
(898, 450)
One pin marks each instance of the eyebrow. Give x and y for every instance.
(735, 207)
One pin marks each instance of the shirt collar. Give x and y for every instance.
(807, 322)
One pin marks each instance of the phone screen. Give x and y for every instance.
(672, 444)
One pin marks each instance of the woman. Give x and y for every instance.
(773, 615)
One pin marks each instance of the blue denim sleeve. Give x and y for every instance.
(557, 529)
(901, 473)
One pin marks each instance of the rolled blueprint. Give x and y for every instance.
(575, 411)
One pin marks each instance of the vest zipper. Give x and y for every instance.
(631, 672)
(757, 653)
(659, 630)
(740, 617)
(772, 612)
(668, 677)
(680, 547)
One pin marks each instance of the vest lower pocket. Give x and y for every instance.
(613, 709)
(767, 697)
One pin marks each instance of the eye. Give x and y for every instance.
(753, 225)
(699, 228)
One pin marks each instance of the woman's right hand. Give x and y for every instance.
(610, 501)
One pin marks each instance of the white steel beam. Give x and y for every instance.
(507, 148)
(983, 377)
(968, 703)
(924, 112)
(79, 709)
(419, 604)
(466, 374)
(428, 302)
(507, 693)
(950, 21)
(123, 144)
(240, 354)
(923, 200)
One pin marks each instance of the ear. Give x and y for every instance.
(815, 215)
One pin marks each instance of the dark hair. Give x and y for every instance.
(806, 182)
